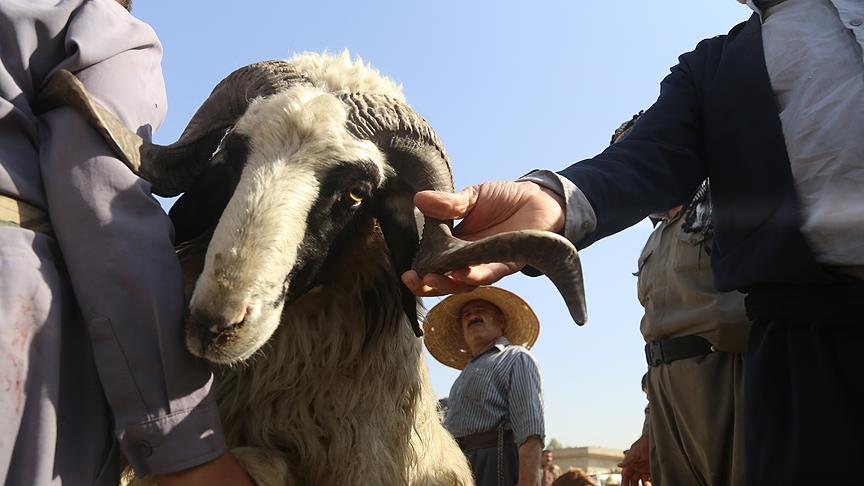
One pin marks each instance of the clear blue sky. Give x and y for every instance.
(509, 87)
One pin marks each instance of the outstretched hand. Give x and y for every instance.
(485, 209)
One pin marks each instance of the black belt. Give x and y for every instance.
(664, 351)
(840, 303)
(482, 440)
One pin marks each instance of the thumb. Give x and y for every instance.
(446, 205)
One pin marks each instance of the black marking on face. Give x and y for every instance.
(282, 295)
(402, 239)
(198, 210)
(377, 312)
(333, 221)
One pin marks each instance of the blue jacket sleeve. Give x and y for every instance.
(658, 164)
(116, 244)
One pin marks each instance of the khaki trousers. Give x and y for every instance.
(696, 421)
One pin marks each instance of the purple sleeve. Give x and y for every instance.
(117, 246)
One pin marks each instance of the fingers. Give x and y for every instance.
(458, 281)
(446, 284)
(433, 285)
(415, 284)
(627, 476)
(445, 205)
(485, 274)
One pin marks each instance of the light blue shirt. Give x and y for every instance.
(501, 386)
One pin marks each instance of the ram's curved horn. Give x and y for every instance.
(417, 156)
(547, 252)
(412, 146)
(421, 163)
(172, 168)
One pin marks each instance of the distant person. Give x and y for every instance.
(549, 471)
(495, 407)
(92, 354)
(772, 113)
(695, 339)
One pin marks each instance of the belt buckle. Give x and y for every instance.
(654, 353)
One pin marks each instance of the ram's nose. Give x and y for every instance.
(220, 324)
(209, 327)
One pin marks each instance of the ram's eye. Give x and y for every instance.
(355, 196)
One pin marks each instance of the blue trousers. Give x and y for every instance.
(484, 465)
(804, 390)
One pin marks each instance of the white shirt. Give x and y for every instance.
(813, 53)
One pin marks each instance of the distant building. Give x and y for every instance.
(593, 460)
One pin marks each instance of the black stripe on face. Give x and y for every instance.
(198, 210)
(335, 219)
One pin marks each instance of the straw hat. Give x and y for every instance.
(442, 330)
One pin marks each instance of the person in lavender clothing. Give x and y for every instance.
(92, 355)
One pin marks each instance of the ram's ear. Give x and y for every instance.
(198, 210)
(395, 214)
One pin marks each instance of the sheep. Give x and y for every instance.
(295, 223)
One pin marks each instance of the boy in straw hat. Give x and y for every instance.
(495, 405)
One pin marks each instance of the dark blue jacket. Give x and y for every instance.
(716, 117)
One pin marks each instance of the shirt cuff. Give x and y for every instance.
(519, 440)
(174, 442)
(579, 217)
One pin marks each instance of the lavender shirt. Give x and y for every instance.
(92, 356)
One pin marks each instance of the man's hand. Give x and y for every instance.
(225, 469)
(636, 466)
(485, 209)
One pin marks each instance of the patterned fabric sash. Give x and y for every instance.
(18, 213)
(697, 213)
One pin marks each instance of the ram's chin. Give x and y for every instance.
(236, 344)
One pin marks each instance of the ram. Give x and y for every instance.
(295, 223)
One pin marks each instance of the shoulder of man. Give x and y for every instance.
(708, 52)
(521, 354)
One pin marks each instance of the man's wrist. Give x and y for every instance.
(579, 217)
(558, 220)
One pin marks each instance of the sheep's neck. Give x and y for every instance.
(321, 390)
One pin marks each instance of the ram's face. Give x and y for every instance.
(305, 185)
